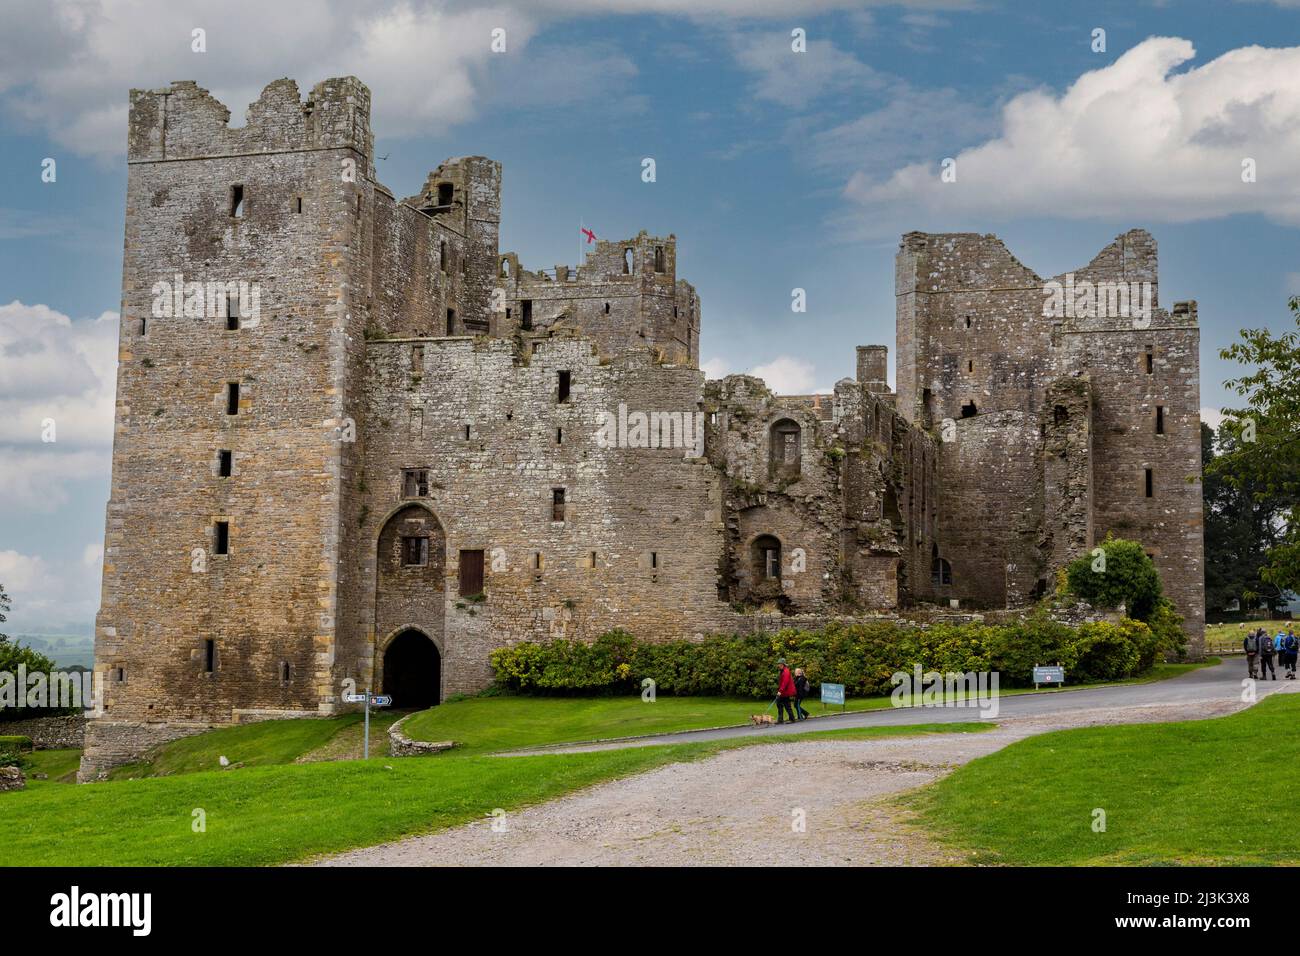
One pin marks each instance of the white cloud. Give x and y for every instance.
(1212, 417)
(796, 79)
(40, 592)
(1132, 139)
(786, 375)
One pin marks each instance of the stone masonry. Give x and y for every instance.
(397, 449)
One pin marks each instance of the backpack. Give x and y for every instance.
(1290, 644)
(1251, 644)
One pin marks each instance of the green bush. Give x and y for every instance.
(12, 748)
(13, 654)
(1127, 577)
(862, 657)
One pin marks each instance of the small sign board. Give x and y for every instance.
(833, 694)
(1049, 675)
(354, 698)
(381, 700)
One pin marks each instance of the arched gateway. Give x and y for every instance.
(410, 585)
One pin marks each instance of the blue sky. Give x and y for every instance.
(775, 170)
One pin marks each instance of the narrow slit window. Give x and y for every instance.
(537, 561)
(451, 321)
(564, 382)
(144, 325)
(1150, 483)
(221, 537)
(232, 312)
(297, 209)
(1150, 361)
(557, 504)
(654, 560)
(209, 655)
(225, 463)
(526, 316)
(559, 436)
(285, 672)
(1160, 419)
(237, 202)
(467, 433)
(232, 398)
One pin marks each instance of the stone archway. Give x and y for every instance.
(413, 670)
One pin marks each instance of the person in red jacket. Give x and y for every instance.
(785, 694)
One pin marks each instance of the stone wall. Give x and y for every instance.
(63, 732)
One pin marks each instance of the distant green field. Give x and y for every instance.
(1216, 791)
(66, 650)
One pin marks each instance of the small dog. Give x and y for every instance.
(758, 720)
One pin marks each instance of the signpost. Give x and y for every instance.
(369, 699)
(1049, 675)
(833, 694)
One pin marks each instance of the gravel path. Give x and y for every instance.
(740, 807)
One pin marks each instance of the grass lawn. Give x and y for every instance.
(60, 766)
(1223, 638)
(491, 724)
(275, 814)
(1172, 793)
(251, 745)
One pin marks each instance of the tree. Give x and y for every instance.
(1242, 524)
(1264, 458)
(5, 608)
(1124, 575)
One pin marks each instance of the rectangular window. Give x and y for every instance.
(1150, 361)
(557, 504)
(537, 561)
(232, 312)
(451, 321)
(593, 561)
(221, 537)
(209, 655)
(415, 427)
(417, 361)
(232, 398)
(654, 560)
(225, 463)
(563, 386)
(285, 671)
(526, 322)
(1160, 419)
(1150, 483)
(559, 436)
(415, 483)
(471, 573)
(297, 209)
(467, 433)
(237, 202)
(415, 552)
(144, 326)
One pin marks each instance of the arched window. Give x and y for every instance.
(940, 572)
(784, 451)
(627, 262)
(767, 558)
(505, 268)
(659, 259)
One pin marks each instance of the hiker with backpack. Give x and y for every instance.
(1251, 646)
(785, 694)
(1267, 646)
(800, 692)
(1290, 646)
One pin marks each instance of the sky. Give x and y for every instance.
(777, 169)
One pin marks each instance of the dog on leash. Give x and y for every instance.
(758, 720)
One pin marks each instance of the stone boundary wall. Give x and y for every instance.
(400, 745)
(66, 731)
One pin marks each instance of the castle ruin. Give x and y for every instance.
(358, 445)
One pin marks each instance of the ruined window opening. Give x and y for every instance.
(144, 324)
(232, 312)
(417, 361)
(607, 308)
(627, 262)
(1060, 414)
(119, 674)
(537, 561)
(415, 552)
(221, 537)
(467, 432)
(358, 205)
(784, 448)
(940, 572)
(526, 320)
(1151, 361)
(232, 398)
(225, 461)
(415, 427)
(592, 560)
(557, 504)
(559, 436)
(442, 255)
(297, 205)
(969, 410)
(285, 672)
(968, 321)
(451, 321)
(1160, 419)
(970, 365)
(654, 560)
(446, 193)
(237, 202)
(510, 416)
(927, 404)
(209, 655)
(659, 259)
(415, 483)
(767, 554)
(1150, 483)
(1040, 588)
(470, 581)
(564, 378)
(505, 269)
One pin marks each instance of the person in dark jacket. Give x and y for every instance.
(800, 692)
(1266, 652)
(1251, 646)
(1290, 649)
(785, 694)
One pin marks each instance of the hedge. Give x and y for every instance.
(863, 657)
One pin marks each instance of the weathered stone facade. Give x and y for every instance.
(433, 451)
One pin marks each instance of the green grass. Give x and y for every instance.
(1222, 638)
(1218, 791)
(275, 814)
(60, 766)
(512, 722)
(244, 745)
